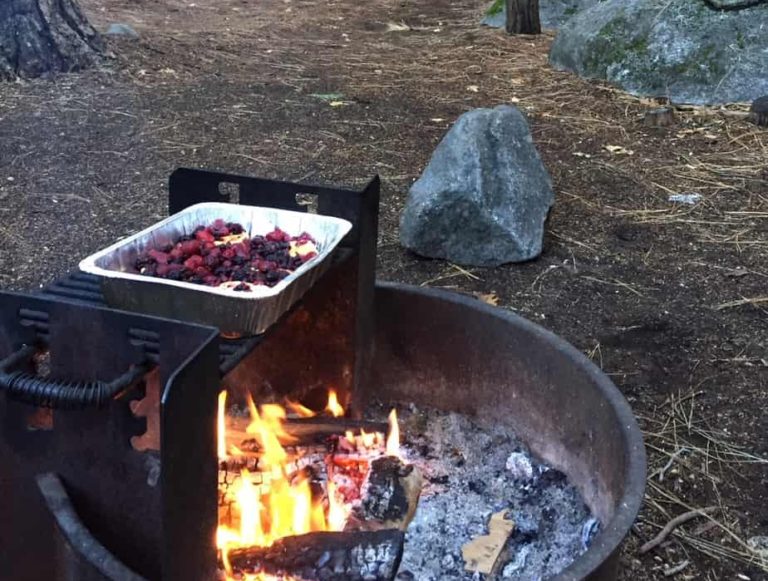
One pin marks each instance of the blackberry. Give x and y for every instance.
(235, 228)
(272, 276)
(242, 287)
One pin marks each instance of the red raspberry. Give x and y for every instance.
(193, 262)
(190, 247)
(160, 257)
(276, 235)
(204, 236)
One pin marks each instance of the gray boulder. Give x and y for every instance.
(122, 30)
(484, 196)
(682, 49)
(552, 13)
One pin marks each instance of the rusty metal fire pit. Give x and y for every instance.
(453, 352)
(84, 501)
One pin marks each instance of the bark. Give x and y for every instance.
(40, 37)
(523, 17)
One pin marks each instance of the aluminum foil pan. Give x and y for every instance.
(233, 312)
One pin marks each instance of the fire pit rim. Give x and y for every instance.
(608, 541)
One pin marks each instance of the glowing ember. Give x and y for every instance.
(278, 501)
(333, 405)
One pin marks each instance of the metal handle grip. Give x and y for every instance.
(63, 395)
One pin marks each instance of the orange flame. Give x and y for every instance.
(393, 438)
(334, 407)
(300, 410)
(221, 442)
(277, 502)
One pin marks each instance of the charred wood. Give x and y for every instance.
(389, 496)
(328, 556)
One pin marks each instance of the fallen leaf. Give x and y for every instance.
(737, 272)
(581, 154)
(337, 103)
(618, 150)
(489, 298)
(397, 27)
(473, 88)
(514, 100)
(437, 119)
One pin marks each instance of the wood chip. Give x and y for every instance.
(480, 554)
(489, 298)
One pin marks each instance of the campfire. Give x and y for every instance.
(291, 476)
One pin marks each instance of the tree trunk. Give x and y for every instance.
(40, 37)
(523, 17)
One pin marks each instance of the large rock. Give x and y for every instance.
(682, 49)
(484, 196)
(553, 13)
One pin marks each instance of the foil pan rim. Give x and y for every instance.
(89, 264)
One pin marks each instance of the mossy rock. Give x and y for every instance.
(682, 49)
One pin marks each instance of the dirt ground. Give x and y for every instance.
(671, 300)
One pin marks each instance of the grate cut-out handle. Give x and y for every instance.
(61, 395)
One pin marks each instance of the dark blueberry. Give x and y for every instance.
(283, 245)
(283, 262)
(167, 248)
(239, 260)
(174, 275)
(199, 229)
(235, 228)
(281, 274)
(186, 238)
(272, 276)
(195, 280)
(242, 287)
(240, 275)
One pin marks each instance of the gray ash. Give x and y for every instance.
(471, 472)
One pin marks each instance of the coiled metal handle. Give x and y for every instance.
(63, 395)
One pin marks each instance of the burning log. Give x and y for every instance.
(306, 430)
(331, 556)
(390, 495)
